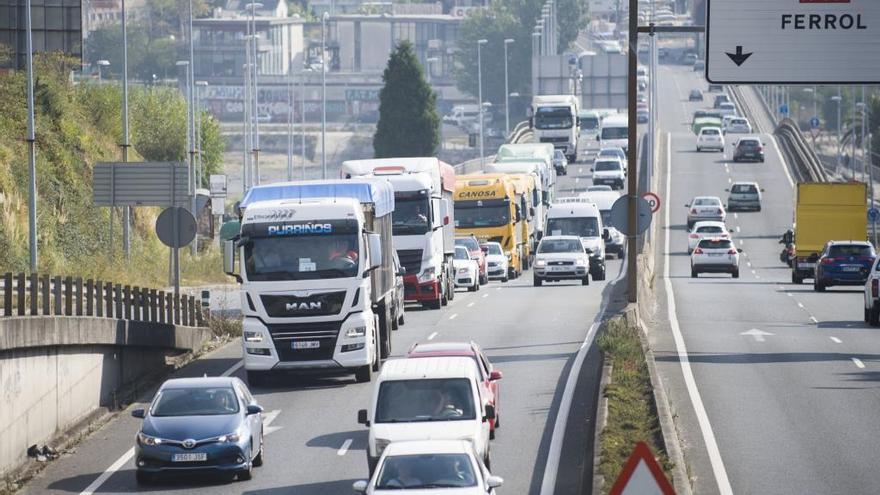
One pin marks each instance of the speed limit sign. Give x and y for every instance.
(653, 200)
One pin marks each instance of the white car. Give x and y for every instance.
(736, 125)
(430, 466)
(715, 255)
(726, 108)
(609, 171)
(611, 152)
(710, 138)
(705, 208)
(496, 261)
(872, 295)
(562, 257)
(706, 229)
(466, 270)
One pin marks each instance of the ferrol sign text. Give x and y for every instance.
(793, 41)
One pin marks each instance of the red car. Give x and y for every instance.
(490, 386)
(473, 247)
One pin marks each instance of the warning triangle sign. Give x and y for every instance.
(641, 475)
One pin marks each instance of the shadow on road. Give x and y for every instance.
(335, 440)
(340, 487)
(123, 481)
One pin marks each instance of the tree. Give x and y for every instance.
(572, 18)
(408, 121)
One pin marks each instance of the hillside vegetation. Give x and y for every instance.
(78, 125)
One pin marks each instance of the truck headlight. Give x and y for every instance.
(427, 275)
(540, 263)
(356, 332)
(581, 262)
(253, 336)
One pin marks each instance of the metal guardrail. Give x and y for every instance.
(44, 295)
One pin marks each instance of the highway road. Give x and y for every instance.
(788, 411)
(315, 445)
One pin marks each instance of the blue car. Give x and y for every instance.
(843, 263)
(200, 425)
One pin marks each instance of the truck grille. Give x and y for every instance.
(563, 139)
(287, 306)
(325, 333)
(411, 260)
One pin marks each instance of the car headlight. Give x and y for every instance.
(381, 443)
(540, 263)
(145, 439)
(462, 271)
(253, 336)
(356, 332)
(427, 275)
(233, 437)
(580, 262)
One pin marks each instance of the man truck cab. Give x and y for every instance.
(554, 119)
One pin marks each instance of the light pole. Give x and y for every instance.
(253, 6)
(290, 114)
(536, 56)
(101, 64)
(506, 91)
(431, 61)
(246, 134)
(31, 139)
(480, 44)
(302, 116)
(324, 19)
(200, 175)
(839, 100)
(126, 211)
(189, 136)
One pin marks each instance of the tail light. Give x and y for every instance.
(874, 287)
(694, 236)
(760, 148)
(693, 211)
(731, 251)
(720, 211)
(828, 261)
(698, 251)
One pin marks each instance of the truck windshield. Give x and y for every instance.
(306, 257)
(589, 123)
(614, 133)
(553, 118)
(483, 216)
(411, 215)
(579, 226)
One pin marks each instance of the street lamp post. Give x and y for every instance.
(189, 135)
(839, 100)
(31, 139)
(506, 91)
(290, 114)
(536, 55)
(324, 19)
(200, 175)
(246, 134)
(126, 211)
(302, 116)
(431, 61)
(480, 44)
(253, 6)
(101, 64)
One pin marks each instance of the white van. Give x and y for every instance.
(435, 398)
(585, 221)
(614, 132)
(465, 115)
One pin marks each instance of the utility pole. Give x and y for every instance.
(632, 153)
(32, 141)
(190, 101)
(126, 211)
(506, 91)
(256, 91)
(480, 44)
(839, 100)
(289, 124)
(302, 116)
(324, 19)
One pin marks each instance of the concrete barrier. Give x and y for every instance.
(56, 372)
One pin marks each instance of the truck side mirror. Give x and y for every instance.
(229, 259)
(362, 417)
(374, 244)
(531, 211)
(606, 234)
(531, 123)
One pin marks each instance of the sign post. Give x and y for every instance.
(792, 41)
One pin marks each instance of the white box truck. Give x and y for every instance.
(554, 119)
(317, 276)
(423, 225)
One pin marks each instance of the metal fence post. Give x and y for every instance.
(161, 307)
(7, 294)
(120, 315)
(79, 296)
(90, 297)
(35, 294)
(108, 299)
(136, 303)
(21, 304)
(56, 292)
(46, 286)
(68, 296)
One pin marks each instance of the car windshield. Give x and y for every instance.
(301, 257)
(710, 132)
(484, 216)
(847, 250)
(599, 188)
(446, 399)
(425, 471)
(468, 243)
(710, 229)
(707, 202)
(558, 154)
(738, 122)
(560, 246)
(493, 249)
(715, 244)
(615, 133)
(461, 253)
(607, 166)
(195, 401)
(589, 123)
(412, 214)
(618, 153)
(579, 226)
(743, 189)
(553, 118)
(749, 143)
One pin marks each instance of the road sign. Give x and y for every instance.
(620, 215)
(140, 184)
(186, 227)
(873, 215)
(814, 123)
(653, 200)
(218, 185)
(641, 475)
(783, 109)
(792, 41)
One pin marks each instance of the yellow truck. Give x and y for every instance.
(486, 206)
(524, 187)
(826, 212)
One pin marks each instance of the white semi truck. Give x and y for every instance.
(423, 226)
(317, 276)
(554, 119)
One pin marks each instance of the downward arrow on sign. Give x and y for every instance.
(739, 57)
(268, 418)
(757, 334)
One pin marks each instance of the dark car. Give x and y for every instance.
(719, 99)
(200, 425)
(695, 95)
(843, 263)
(473, 247)
(748, 149)
(716, 88)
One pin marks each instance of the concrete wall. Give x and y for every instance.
(54, 372)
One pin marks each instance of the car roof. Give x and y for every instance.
(416, 447)
(487, 243)
(850, 243)
(744, 183)
(561, 238)
(716, 198)
(709, 223)
(456, 348)
(710, 127)
(198, 382)
(428, 368)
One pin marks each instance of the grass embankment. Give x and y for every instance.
(632, 415)
(77, 126)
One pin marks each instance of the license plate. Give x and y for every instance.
(715, 255)
(851, 268)
(807, 265)
(558, 268)
(190, 457)
(305, 344)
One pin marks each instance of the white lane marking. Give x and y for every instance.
(485, 295)
(789, 294)
(718, 469)
(858, 362)
(782, 161)
(813, 319)
(577, 179)
(738, 230)
(268, 419)
(757, 334)
(497, 288)
(453, 316)
(780, 287)
(800, 305)
(758, 277)
(729, 180)
(116, 466)
(735, 215)
(431, 337)
(232, 369)
(753, 271)
(835, 340)
(749, 263)
(741, 242)
(345, 445)
(470, 304)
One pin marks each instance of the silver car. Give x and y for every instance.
(705, 208)
(744, 196)
(561, 257)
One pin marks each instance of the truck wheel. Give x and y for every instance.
(256, 378)
(796, 278)
(450, 288)
(525, 262)
(735, 273)
(867, 315)
(395, 318)
(818, 286)
(600, 274)
(444, 294)
(537, 282)
(364, 374)
(585, 280)
(384, 333)
(874, 317)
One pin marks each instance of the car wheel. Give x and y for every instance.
(258, 460)
(537, 282)
(698, 149)
(585, 280)
(735, 273)
(474, 287)
(245, 474)
(874, 317)
(505, 279)
(364, 374)
(401, 320)
(444, 295)
(395, 319)
(795, 278)
(256, 378)
(694, 272)
(818, 286)
(867, 315)
(143, 478)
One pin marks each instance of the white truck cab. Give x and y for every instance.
(555, 120)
